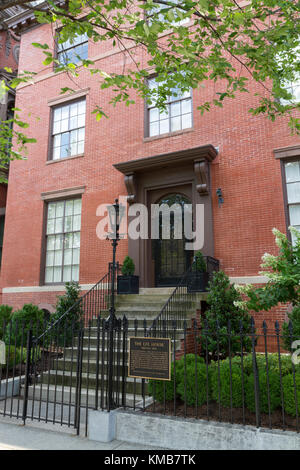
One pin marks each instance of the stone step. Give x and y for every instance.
(67, 395)
(88, 381)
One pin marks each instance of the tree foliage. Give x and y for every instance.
(196, 40)
(283, 272)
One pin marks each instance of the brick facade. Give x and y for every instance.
(245, 169)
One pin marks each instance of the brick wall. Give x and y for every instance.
(245, 169)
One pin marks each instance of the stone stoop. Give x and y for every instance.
(59, 385)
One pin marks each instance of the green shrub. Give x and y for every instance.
(128, 266)
(199, 264)
(289, 393)
(5, 316)
(274, 391)
(165, 388)
(162, 389)
(21, 321)
(63, 332)
(294, 318)
(13, 356)
(236, 384)
(191, 390)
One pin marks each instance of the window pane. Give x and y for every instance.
(186, 121)
(57, 274)
(69, 207)
(68, 240)
(293, 191)
(164, 126)
(76, 253)
(153, 114)
(74, 109)
(59, 225)
(68, 257)
(59, 209)
(51, 242)
(50, 258)
(292, 171)
(80, 147)
(49, 275)
(77, 206)
(57, 114)
(186, 106)
(67, 273)
(50, 226)
(154, 129)
(58, 242)
(68, 223)
(75, 273)
(51, 210)
(175, 109)
(295, 214)
(76, 240)
(73, 122)
(76, 222)
(176, 124)
(58, 258)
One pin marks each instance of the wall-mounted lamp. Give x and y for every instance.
(220, 197)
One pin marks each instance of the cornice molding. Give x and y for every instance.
(206, 153)
(287, 152)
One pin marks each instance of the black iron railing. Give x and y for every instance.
(181, 300)
(249, 377)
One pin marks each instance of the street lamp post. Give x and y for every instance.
(115, 217)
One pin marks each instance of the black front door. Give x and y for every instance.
(170, 257)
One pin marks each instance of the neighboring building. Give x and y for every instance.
(78, 164)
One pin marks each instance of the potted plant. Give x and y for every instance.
(128, 283)
(198, 277)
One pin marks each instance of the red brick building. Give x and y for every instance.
(79, 163)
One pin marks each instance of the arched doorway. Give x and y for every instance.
(171, 259)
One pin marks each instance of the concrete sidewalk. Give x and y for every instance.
(15, 436)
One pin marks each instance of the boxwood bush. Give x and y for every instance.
(289, 393)
(229, 390)
(274, 391)
(21, 321)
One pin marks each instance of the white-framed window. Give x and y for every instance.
(177, 116)
(72, 51)
(68, 129)
(292, 177)
(294, 89)
(63, 241)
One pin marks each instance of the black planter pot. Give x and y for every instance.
(128, 284)
(197, 282)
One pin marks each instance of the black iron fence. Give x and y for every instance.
(246, 375)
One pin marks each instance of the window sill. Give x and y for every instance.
(168, 134)
(49, 162)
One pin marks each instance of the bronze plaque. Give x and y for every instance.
(149, 358)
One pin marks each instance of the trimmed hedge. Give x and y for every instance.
(269, 389)
(289, 393)
(231, 391)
